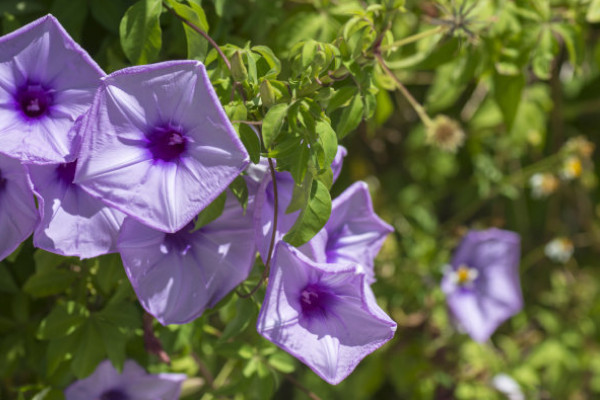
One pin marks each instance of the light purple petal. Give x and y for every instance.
(336, 165)
(354, 233)
(341, 325)
(177, 276)
(73, 223)
(158, 145)
(46, 82)
(18, 215)
(134, 382)
(495, 295)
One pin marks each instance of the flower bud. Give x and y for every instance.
(238, 69)
(445, 133)
(267, 94)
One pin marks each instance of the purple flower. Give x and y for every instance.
(176, 276)
(265, 204)
(73, 223)
(323, 314)
(354, 233)
(18, 215)
(157, 144)
(46, 82)
(482, 283)
(133, 384)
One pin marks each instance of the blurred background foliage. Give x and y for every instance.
(520, 78)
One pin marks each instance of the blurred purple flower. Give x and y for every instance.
(73, 223)
(133, 384)
(46, 82)
(323, 314)
(354, 233)
(176, 276)
(18, 215)
(158, 145)
(482, 283)
(265, 204)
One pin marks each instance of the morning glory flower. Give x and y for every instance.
(157, 144)
(46, 81)
(354, 233)
(482, 283)
(265, 204)
(323, 314)
(176, 276)
(18, 215)
(73, 223)
(134, 383)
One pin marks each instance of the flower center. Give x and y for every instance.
(113, 394)
(180, 240)
(316, 300)
(66, 172)
(166, 144)
(464, 275)
(34, 100)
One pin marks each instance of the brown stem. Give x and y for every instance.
(201, 32)
(210, 380)
(151, 342)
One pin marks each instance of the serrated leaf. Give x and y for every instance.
(63, 320)
(350, 117)
(251, 142)
(47, 283)
(272, 124)
(312, 219)
(507, 92)
(140, 32)
(211, 212)
(239, 188)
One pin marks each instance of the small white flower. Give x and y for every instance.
(559, 249)
(543, 185)
(571, 169)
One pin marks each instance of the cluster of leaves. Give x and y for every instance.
(522, 77)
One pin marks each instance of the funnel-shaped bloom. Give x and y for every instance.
(158, 145)
(482, 283)
(176, 276)
(133, 384)
(323, 314)
(354, 233)
(265, 204)
(46, 82)
(73, 223)
(18, 215)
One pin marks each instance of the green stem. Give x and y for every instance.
(413, 38)
(419, 109)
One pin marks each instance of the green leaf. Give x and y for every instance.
(251, 142)
(7, 283)
(59, 350)
(89, 352)
(140, 31)
(108, 13)
(63, 320)
(544, 54)
(300, 195)
(245, 313)
(300, 163)
(350, 117)
(110, 272)
(122, 315)
(211, 212)
(593, 12)
(328, 140)
(341, 97)
(47, 283)
(282, 362)
(271, 60)
(312, 218)
(507, 92)
(197, 46)
(239, 188)
(46, 261)
(114, 341)
(71, 14)
(573, 41)
(272, 123)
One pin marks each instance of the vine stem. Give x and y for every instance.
(267, 270)
(151, 342)
(201, 32)
(419, 109)
(413, 38)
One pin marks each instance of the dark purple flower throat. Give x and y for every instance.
(2, 182)
(114, 394)
(316, 300)
(34, 100)
(66, 172)
(166, 143)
